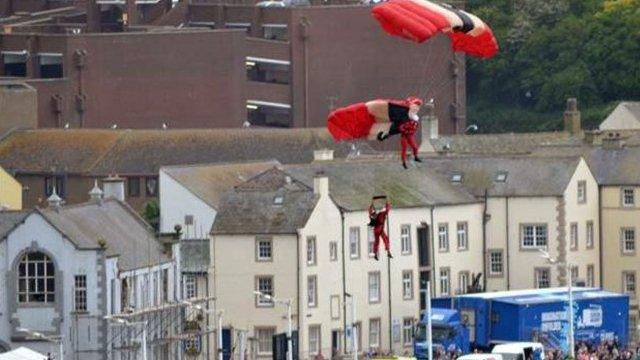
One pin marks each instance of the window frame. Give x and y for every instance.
(405, 239)
(535, 235)
(378, 328)
(490, 271)
(441, 278)
(190, 281)
(154, 191)
(378, 298)
(315, 328)
(130, 182)
(443, 237)
(49, 295)
(464, 274)
(573, 236)
(354, 230)
(623, 197)
(256, 331)
(312, 301)
(80, 300)
(312, 250)
(260, 301)
(625, 284)
(264, 239)
(333, 251)
(589, 235)
(536, 280)
(465, 233)
(582, 184)
(371, 241)
(411, 287)
(407, 340)
(623, 241)
(591, 276)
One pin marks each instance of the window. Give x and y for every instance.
(264, 284)
(145, 291)
(36, 279)
(333, 251)
(265, 338)
(80, 293)
(152, 186)
(188, 219)
(191, 344)
(443, 237)
(463, 243)
(278, 200)
(628, 197)
(264, 249)
(589, 233)
(15, 63)
(165, 285)
(311, 250)
(260, 113)
(50, 182)
(495, 263)
(405, 239)
(50, 65)
(236, 25)
(268, 70)
(133, 185)
(407, 331)
(456, 178)
(533, 236)
(374, 287)
(407, 285)
(628, 238)
(190, 286)
(314, 340)
(590, 276)
(354, 242)
(275, 32)
(463, 282)
(629, 283)
(542, 277)
(582, 192)
(444, 282)
(312, 291)
(374, 333)
(370, 242)
(575, 274)
(574, 236)
(501, 176)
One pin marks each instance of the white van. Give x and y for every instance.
(520, 351)
(481, 357)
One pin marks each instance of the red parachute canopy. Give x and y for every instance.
(419, 20)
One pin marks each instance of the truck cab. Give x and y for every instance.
(447, 332)
(520, 351)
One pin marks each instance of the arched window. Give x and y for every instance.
(36, 279)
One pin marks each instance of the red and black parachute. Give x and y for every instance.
(419, 20)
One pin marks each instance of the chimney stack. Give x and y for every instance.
(321, 184)
(54, 200)
(572, 122)
(428, 128)
(114, 187)
(323, 155)
(95, 195)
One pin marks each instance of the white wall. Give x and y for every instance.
(176, 202)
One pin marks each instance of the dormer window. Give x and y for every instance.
(456, 178)
(278, 200)
(501, 176)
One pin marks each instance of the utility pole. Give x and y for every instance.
(427, 300)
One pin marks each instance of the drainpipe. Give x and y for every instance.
(508, 267)
(344, 288)
(485, 219)
(304, 33)
(389, 289)
(600, 240)
(432, 276)
(299, 294)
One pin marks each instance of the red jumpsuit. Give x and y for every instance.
(407, 130)
(378, 220)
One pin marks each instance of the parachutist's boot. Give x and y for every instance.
(389, 255)
(375, 256)
(417, 159)
(404, 165)
(382, 137)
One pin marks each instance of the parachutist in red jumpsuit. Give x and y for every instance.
(405, 123)
(377, 220)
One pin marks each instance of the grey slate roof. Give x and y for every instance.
(526, 175)
(9, 220)
(210, 182)
(508, 143)
(250, 207)
(353, 183)
(125, 233)
(194, 255)
(615, 166)
(143, 152)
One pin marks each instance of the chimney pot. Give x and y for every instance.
(321, 184)
(95, 194)
(54, 200)
(114, 187)
(572, 121)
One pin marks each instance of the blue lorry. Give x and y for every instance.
(479, 321)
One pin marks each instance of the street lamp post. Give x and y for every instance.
(123, 322)
(59, 340)
(568, 266)
(427, 305)
(287, 303)
(354, 329)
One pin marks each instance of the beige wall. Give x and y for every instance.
(10, 192)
